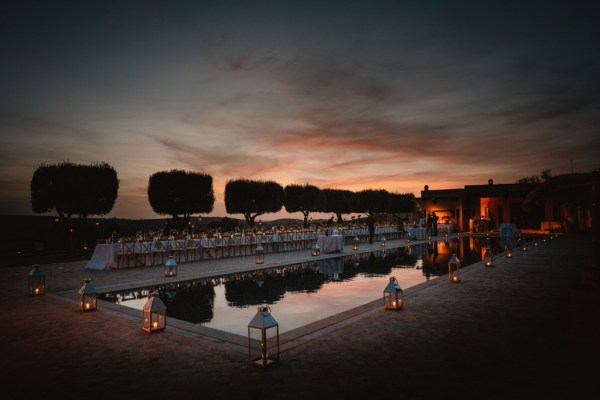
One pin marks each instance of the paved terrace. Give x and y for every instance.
(518, 330)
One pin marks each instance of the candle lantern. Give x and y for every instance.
(355, 243)
(535, 242)
(154, 314)
(393, 296)
(508, 253)
(383, 241)
(263, 338)
(408, 237)
(315, 250)
(36, 281)
(259, 256)
(454, 269)
(87, 296)
(170, 267)
(488, 258)
(523, 245)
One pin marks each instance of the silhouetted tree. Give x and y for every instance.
(305, 199)
(544, 176)
(180, 194)
(340, 202)
(374, 201)
(253, 198)
(402, 203)
(74, 189)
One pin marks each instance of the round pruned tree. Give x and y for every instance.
(402, 203)
(74, 189)
(340, 201)
(180, 194)
(373, 201)
(305, 199)
(253, 198)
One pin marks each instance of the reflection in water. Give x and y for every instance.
(331, 284)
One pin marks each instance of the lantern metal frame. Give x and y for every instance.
(170, 267)
(454, 269)
(355, 243)
(87, 297)
(263, 338)
(488, 258)
(508, 251)
(393, 295)
(259, 254)
(315, 250)
(36, 281)
(154, 314)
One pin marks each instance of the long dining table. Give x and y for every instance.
(136, 253)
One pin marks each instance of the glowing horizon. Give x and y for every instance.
(348, 96)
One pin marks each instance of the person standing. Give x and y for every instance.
(434, 221)
(429, 226)
(371, 226)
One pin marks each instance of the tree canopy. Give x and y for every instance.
(180, 194)
(71, 189)
(374, 201)
(253, 198)
(402, 203)
(340, 201)
(305, 199)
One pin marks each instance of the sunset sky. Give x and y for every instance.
(340, 94)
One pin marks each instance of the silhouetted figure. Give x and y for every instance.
(429, 224)
(434, 221)
(371, 226)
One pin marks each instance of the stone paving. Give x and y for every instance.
(508, 332)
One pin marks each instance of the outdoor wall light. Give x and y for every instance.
(263, 338)
(154, 314)
(87, 296)
(454, 269)
(355, 243)
(170, 267)
(315, 250)
(36, 281)
(393, 296)
(488, 258)
(259, 254)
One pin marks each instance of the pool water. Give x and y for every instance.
(302, 293)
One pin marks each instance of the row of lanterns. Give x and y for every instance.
(263, 329)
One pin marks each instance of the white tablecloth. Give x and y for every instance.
(104, 257)
(331, 244)
(417, 233)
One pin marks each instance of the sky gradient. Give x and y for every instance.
(347, 94)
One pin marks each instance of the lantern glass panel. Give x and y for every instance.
(263, 345)
(36, 281)
(315, 250)
(87, 297)
(488, 258)
(259, 256)
(154, 314)
(355, 243)
(171, 267)
(393, 296)
(454, 269)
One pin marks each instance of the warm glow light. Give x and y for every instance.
(87, 306)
